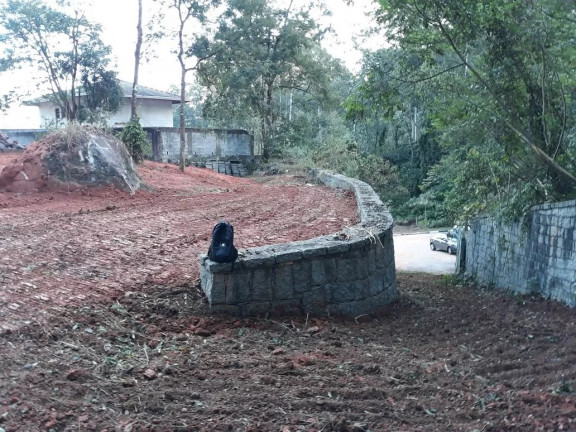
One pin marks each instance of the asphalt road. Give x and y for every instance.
(412, 254)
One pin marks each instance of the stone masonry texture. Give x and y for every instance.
(351, 272)
(537, 255)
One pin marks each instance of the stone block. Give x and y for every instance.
(242, 286)
(216, 267)
(360, 244)
(218, 294)
(316, 299)
(262, 283)
(286, 307)
(257, 260)
(206, 284)
(302, 276)
(362, 289)
(343, 291)
(314, 250)
(380, 256)
(283, 287)
(336, 247)
(362, 268)
(346, 269)
(254, 309)
(371, 259)
(323, 271)
(284, 257)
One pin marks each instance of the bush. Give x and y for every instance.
(135, 139)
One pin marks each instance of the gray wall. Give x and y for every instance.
(346, 273)
(537, 256)
(24, 136)
(201, 143)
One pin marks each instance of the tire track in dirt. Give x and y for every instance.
(60, 249)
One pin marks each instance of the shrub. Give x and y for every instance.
(135, 139)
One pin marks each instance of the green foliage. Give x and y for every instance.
(338, 152)
(266, 61)
(103, 96)
(63, 47)
(392, 120)
(136, 140)
(494, 83)
(5, 101)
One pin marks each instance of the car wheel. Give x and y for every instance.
(432, 246)
(449, 250)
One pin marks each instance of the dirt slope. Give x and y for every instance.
(105, 329)
(60, 249)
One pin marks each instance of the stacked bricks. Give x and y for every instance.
(351, 272)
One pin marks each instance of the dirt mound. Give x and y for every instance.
(68, 159)
(103, 325)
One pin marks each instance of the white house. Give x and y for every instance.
(154, 108)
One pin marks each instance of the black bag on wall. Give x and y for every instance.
(222, 246)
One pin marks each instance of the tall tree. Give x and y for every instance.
(63, 46)
(260, 53)
(518, 57)
(137, 51)
(102, 96)
(189, 33)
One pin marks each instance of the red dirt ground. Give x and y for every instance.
(62, 249)
(103, 326)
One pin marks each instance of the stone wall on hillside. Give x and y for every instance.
(351, 272)
(537, 255)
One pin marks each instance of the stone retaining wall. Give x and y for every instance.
(538, 256)
(351, 272)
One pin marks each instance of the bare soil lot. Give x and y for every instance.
(103, 326)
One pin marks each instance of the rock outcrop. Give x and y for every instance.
(71, 158)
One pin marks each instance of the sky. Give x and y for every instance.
(119, 18)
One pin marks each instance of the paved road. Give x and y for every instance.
(412, 254)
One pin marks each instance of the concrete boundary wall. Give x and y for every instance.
(537, 256)
(351, 272)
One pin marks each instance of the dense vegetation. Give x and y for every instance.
(469, 108)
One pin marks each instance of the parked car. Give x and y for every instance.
(445, 241)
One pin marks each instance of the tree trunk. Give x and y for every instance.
(182, 119)
(134, 113)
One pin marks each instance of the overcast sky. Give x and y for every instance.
(119, 30)
(119, 17)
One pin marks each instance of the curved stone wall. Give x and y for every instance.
(350, 272)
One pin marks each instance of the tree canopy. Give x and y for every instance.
(66, 49)
(261, 54)
(494, 80)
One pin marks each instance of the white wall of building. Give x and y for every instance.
(153, 113)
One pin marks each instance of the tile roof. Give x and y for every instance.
(148, 93)
(142, 93)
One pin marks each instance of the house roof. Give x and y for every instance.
(142, 93)
(148, 93)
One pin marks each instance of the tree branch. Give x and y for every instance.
(508, 120)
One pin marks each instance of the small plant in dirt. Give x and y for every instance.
(71, 136)
(135, 139)
(452, 279)
(565, 388)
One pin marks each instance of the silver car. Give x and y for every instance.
(444, 241)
